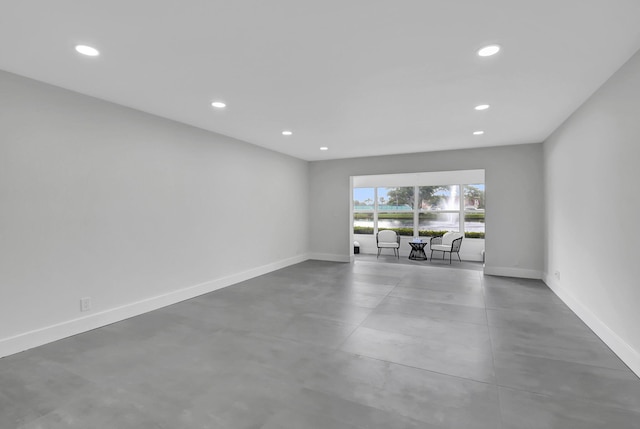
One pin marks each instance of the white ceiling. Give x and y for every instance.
(363, 77)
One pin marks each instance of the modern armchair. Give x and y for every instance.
(450, 242)
(388, 239)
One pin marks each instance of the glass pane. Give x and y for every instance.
(402, 223)
(395, 199)
(363, 223)
(395, 209)
(363, 199)
(474, 214)
(363, 205)
(436, 224)
(474, 197)
(442, 197)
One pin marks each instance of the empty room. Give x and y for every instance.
(297, 214)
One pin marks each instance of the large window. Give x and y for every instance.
(439, 209)
(420, 210)
(474, 210)
(395, 209)
(363, 210)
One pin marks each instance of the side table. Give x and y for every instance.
(417, 250)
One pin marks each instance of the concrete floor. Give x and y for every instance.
(433, 263)
(328, 345)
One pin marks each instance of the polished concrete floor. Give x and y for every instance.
(328, 345)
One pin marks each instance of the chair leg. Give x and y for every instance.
(458, 253)
(450, 257)
(379, 249)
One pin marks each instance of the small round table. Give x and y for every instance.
(417, 250)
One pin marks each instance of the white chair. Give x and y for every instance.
(388, 239)
(450, 242)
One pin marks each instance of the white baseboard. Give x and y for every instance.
(513, 272)
(330, 257)
(38, 337)
(625, 352)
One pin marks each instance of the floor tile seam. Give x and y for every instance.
(554, 311)
(486, 323)
(418, 338)
(429, 301)
(493, 355)
(356, 401)
(575, 334)
(69, 399)
(573, 361)
(573, 331)
(245, 333)
(339, 346)
(398, 296)
(432, 320)
(33, 420)
(149, 416)
(626, 370)
(579, 401)
(458, 377)
(583, 329)
(310, 344)
(438, 319)
(444, 284)
(93, 383)
(526, 311)
(443, 287)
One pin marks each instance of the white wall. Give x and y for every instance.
(593, 212)
(514, 201)
(134, 211)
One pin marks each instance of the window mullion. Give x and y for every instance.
(461, 208)
(375, 211)
(416, 210)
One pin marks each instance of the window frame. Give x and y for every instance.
(417, 210)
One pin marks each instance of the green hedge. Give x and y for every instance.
(408, 232)
(363, 215)
(474, 234)
(477, 217)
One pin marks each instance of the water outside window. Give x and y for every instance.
(363, 208)
(395, 209)
(438, 209)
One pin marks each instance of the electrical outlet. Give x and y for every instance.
(85, 304)
(557, 274)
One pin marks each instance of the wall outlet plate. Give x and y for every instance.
(85, 304)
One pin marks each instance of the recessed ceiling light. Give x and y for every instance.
(478, 133)
(487, 51)
(324, 148)
(287, 133)
(218, 104)
(482, 107)
(87, 50)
